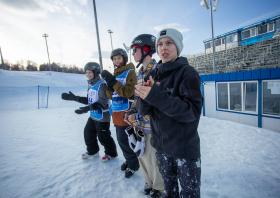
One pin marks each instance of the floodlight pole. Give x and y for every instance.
(45, 35)
(3, 64)
(97, 35)
(127, 49)
(213, 41)
(110, 32)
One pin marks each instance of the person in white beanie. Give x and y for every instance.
(171, 96)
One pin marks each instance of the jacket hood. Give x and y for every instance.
(119, 71)
(170, 66)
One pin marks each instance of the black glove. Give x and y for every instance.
(110, 88)
(90, 107)
(70, 96)
(109, 78)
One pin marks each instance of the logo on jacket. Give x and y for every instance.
(169, 90)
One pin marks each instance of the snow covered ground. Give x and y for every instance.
(40, 149)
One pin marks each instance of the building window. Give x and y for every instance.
(246, 34)
(262, 28)
(231, 38)
(237, 96)
(271, 97)
(277, 25)
(253, 32)
(218, 42)
(222, 95)
(208, 45)
(250, 96)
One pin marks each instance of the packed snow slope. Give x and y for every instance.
(40, 149)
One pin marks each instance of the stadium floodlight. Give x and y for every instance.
(215, 5)
(127, 49)
(205, 4)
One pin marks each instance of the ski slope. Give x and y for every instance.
(40, 149)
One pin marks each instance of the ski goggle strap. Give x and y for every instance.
(143, 57)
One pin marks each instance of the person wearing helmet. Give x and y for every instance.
(121, 88)
(98, 124)
(143, 47)
(171, 95)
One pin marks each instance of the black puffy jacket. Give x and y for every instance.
(174, 107)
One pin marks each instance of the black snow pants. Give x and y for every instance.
(128, 153)
(187, 171)
(94, 129)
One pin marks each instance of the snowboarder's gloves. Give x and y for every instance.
(70, 96)
(95, 106)
(82, 110)
(109, 78)
(110, 88)
(140, 144)
(131, 137)
(90, 107)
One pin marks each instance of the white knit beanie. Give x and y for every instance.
(175, 35)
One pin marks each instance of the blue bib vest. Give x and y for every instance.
(92, 98)
(120, 103)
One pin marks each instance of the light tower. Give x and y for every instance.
(206, 5)
(45, 35)
(110, 32)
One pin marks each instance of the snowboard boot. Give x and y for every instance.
(129, 173)
(86, 155)
(124, 166)
(155, 194)
(107, 158)
(147, 189)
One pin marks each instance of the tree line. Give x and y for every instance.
(32, 66)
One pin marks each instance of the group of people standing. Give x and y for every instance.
(156, 114)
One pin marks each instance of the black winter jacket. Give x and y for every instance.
(174, 107)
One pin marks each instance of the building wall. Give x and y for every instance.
(271, 124)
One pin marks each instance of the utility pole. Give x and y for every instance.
(45, 35)
(3, 64)
(205, 4)
(97, 35)
(213, 41)
(110, 32)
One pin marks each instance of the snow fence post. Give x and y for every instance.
(48, 96)
(38, 96)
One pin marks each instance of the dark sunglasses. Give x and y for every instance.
(134, 49)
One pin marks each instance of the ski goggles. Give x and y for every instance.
(134, 49)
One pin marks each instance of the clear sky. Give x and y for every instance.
(70, 25)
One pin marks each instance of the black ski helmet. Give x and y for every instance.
(94, 67)
(144, 40)
(119, 51)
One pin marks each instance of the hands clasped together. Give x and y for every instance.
(144, 90)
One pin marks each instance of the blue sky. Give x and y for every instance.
(71, 27)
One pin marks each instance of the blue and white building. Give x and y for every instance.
(247, 35)
(248, 97)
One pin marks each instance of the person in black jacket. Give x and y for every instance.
(172, 97)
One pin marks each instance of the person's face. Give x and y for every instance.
(89, 74)
(167, 50)
(117, 60)
(137, 54)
